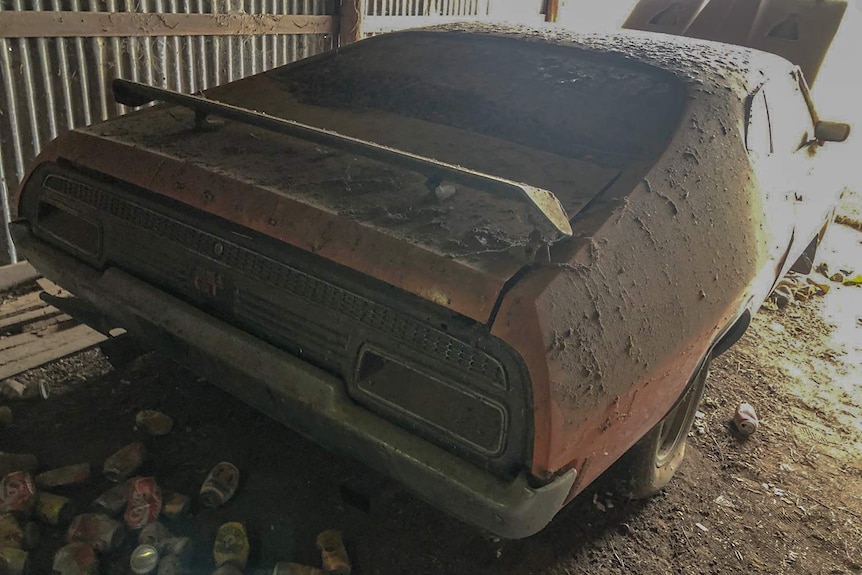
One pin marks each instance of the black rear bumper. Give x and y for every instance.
(306, 399)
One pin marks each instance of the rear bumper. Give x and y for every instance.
(306, 399)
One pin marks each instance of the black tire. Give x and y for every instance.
(121, 351)
(650, 464)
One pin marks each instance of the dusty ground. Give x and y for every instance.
(789, 500)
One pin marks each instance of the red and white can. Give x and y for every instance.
(145, 503)
(17, 493)
(745, 419)
(98, 530)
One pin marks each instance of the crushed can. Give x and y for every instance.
(63, 476)
(125, 462)
(296, 569)
(231, 545)
(113, 501)
(144, 560)
(145, 503)
(333, 554)
(153, 534)
(11, 462)
(54, 510)
(98, 530)
(175, 505)
(76, 559)
(745, 419)
(170, 565)
(154, 422)
(17, 494)
(179, 546)
(17, 560)
(13, 534)
(220, 484)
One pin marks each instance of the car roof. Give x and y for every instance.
(697, 63)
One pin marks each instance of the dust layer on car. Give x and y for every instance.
(570, 126)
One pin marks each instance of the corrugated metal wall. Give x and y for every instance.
(429, 7)
(50, 85)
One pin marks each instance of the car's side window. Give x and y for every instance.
(792, 125)
(758, 136)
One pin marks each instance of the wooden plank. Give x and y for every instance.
(60, 24)
(351, 15)
(18, 321)
(50, 348)
(14, 275)
(19, 304)
(381, 24)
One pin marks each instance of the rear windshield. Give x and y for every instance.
(558, 99)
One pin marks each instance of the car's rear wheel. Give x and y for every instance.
(650, 464)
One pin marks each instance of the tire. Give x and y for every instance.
(121, 351)
(650, 464)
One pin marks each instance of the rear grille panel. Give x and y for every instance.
(304, 304)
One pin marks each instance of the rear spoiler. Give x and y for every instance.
(552, 218)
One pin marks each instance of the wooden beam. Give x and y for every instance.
(14, 275)
(351, 17)
(57, 24)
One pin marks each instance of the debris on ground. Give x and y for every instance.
(296, 569)
(745, 419)
(76, 559)
(333, 554)
(231, 545)
(97, 530)
(154, 422)
(220, 484)
(54, 510)
(63, 476)
(125, 462)
(144, 560)
(17, 561)
(145, 503)
(14, 390)
(175, 505)
(17, 493)
(114, 500)
(796, 287)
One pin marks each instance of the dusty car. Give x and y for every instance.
(487, 262)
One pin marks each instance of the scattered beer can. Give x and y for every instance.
(98, 530)
(13, 389)
(11, 534)
(296, 569)
(220, 484)
(231, 545)
(170, 565)
(175, 505)
(333, 554)
(179, 546)
(63, 476)
(76, 559)
(125, 462)
(114, 500)
(144, 560)
(6, 417)
(145, 503)
(17, 560)
(11, 462)
(153, 534)
(154, 422)
(53, 509)
(745, 419)
(17, 494)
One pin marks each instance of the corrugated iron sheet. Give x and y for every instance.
(49, 85)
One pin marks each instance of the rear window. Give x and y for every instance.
(558, 99)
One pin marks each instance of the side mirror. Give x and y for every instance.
(831, 131)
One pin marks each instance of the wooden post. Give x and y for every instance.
(350, 15)
(552, 11)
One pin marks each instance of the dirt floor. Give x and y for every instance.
(787, 500)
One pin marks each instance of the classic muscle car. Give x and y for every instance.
(488, 262)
